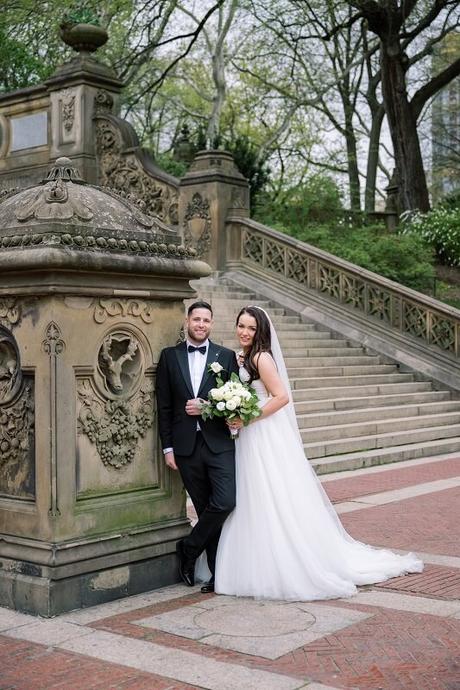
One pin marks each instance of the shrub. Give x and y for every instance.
(406, 259)
(439, 228)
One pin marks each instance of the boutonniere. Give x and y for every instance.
(215, 368)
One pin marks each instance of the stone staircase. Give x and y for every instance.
(355, 408)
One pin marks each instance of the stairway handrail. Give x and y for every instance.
(393, 304)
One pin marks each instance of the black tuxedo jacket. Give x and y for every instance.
(174, 388)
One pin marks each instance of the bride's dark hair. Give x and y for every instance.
(261, 342)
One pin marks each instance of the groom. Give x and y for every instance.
(202, 451)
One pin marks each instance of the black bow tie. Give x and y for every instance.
(202, 349)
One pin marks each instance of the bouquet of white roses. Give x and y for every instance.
(231, 399)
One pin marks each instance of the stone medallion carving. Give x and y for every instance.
(197, 231)
(108, 308)
(123, 171)
(120, 363)
(115, 426)
(10, 370)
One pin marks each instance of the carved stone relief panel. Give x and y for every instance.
(115, 418)
(124, 172)
(17, 446)
(115, 427)
(197, 231)
(67, 114)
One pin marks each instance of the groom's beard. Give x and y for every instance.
(197, 337)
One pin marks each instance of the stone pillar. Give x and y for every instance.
(74, 90)
(211, 192)
(91, 290)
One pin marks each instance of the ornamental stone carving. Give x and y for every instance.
(17, 476)
(121, 363)
(10, 312)
(124, 172)
(109, 308)
(115, 427)
(68, 109)
(53, 202)
(197, 231)
(10, 371)
(53, 344)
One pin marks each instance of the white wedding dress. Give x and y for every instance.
(284, 539)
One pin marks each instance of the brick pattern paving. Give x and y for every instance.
(424, 523)
(436, 581)
(29, 666)
(392, 650)
(362, 485)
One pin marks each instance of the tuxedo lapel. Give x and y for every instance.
(182, 358)
(213, 356)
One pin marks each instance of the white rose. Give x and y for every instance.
(212, 393)
(230, 404)
(220, 406)
(218, 394)
(237, 400)
(228, 395)
(216, 367)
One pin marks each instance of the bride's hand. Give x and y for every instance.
(236, 423)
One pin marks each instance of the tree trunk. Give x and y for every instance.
(373, 159)
(413, 191)
(353, 170)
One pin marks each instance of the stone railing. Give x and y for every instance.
(308, 269)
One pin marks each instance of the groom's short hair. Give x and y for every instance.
(201, 304)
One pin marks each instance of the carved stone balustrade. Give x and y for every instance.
(91, 290)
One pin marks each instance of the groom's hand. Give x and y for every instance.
(193, 406)
(170, 460)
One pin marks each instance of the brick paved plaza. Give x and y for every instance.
(403, 634)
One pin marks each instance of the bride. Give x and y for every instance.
(284, 539)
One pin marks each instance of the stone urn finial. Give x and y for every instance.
(83, 36)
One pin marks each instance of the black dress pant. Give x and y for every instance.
(210, 481)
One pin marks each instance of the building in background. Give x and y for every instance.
(445, 125)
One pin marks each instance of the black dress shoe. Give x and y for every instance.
(186, 565)
(208, 586)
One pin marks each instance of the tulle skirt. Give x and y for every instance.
(284, 539)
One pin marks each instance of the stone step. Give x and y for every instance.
(379, 426)
(298, 343)
(382, 456)
(284, 319)
(366, 413)
(299, 372)
(366, 380)
(310, 407)
(392, 438)
(286, 331)
(335, 392)
(351, 360)
(299, 331)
